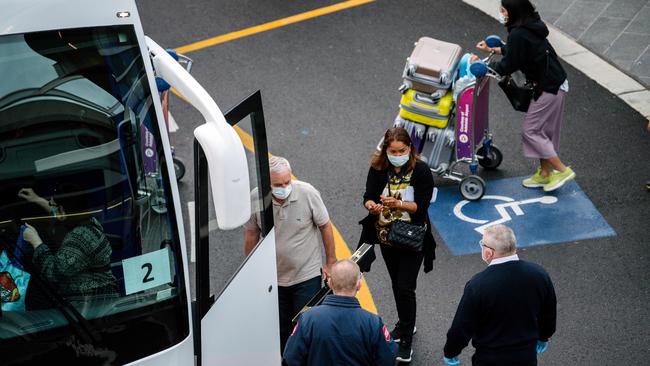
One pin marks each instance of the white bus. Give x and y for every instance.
(94, 263)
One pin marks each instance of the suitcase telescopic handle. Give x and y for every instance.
(424, 98)
(428, 112)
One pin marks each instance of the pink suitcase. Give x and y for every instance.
(432, 65)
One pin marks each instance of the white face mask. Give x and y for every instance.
(484, 258)
(399, 160)
(503, 19)
(281, 193)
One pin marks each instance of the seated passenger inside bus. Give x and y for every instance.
(78, 266)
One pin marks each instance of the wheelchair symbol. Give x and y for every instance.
(502, 209)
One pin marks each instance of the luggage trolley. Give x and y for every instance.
(463, 139)
(472, 137)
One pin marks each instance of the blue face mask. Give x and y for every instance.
(398, 160)
(503, 19)
(280, 192)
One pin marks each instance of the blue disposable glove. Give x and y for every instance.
(541, 346)
(454, 361)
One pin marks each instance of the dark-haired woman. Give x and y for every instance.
(399, 187)
(528, 50)
(80, 267)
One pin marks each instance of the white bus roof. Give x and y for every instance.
(24, 16)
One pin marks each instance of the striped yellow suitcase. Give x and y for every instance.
(422, 108)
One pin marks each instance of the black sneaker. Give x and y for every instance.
(404, 352)
(396, 335)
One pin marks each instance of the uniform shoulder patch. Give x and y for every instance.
(386, 333)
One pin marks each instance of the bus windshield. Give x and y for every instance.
(90, 261)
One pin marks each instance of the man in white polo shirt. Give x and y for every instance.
(301, 224)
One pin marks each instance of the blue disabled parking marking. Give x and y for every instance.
(537, 217)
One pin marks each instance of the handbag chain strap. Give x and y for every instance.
(398, 183)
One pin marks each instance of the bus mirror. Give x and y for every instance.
(228, 171)
(227, 164)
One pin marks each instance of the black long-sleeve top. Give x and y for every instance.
(525, 50)
(422, 183)
(506, 307)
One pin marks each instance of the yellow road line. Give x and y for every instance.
(340, 247)
(364, 296)
(271, 25)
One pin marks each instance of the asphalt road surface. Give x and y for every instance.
(329, 87)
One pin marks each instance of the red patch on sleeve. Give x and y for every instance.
(296, 328)
(386, 334)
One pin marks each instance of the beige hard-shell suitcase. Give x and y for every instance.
(432, 65)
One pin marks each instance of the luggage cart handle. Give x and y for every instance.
(185, 61)
(480, 68)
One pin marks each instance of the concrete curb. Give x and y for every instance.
(601, 71)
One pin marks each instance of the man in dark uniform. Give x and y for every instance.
(340, 332)
(508, 310)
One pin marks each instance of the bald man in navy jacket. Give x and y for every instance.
(508, 310)
(340, 332)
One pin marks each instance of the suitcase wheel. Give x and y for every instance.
(412, 69)
(492, 160)
(472, 188)
(444, 78)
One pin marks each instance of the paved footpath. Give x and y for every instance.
(608, 40)
(617, 30)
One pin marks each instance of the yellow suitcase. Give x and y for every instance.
(422, 108)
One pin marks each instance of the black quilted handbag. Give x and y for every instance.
(407, 236)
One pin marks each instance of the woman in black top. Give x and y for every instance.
(528, 50)
(411, 186)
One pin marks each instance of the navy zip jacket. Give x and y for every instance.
(505, 310)
(340, 332)
(526, 51)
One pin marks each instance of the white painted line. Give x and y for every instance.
(190, 209)
(617, 82)
(173, 126)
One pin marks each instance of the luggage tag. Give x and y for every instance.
(409, 194)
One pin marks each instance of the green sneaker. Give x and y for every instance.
(558, 179)
(537, 180)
